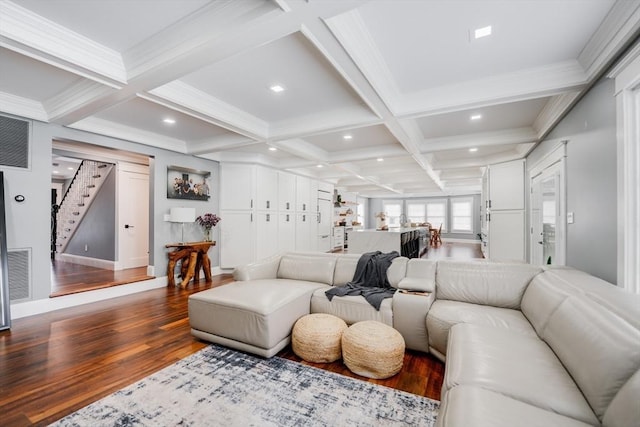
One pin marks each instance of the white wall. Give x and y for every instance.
(28, 222)
(590, 129)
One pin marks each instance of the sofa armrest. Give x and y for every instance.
(410, 317)
(266, 268)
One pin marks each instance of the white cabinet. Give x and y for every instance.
(237, 186)
(266, 189)
(503, 222)
(266, 234)
(286, 232)
(286, 192)
(303, 194)
(338, 238)
(304, 223)
(236, 238)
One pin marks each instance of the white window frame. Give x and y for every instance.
(386, 203)
(445, 225)
(468, 200)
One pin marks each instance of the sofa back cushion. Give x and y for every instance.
(498, 284)
(598, 348)
(309, 267)
(624, 409)
(397, 270)
(420, 275)
(345, 269)
(542, 297)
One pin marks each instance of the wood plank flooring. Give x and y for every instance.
(69, 278)
(55, 363)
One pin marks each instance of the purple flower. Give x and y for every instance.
(208, 220)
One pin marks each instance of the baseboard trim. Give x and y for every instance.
(90, 262)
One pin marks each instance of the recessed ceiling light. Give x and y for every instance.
(380, 159)
(473, 150)
(476, 117)
(482, 32)
(276, 88)
(319, 166)
(169, 121)
(70, 168)
(347, 137)
(56, 172)
(273, 149)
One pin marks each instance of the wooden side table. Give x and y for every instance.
(194, 257)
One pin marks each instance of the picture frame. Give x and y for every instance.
(188, 184)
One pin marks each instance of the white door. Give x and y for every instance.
(133, 216)
(266, 234)
(303, 231)
(287, 232)
(506, 235)
(547, 217)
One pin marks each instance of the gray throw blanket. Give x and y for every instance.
(369, 280)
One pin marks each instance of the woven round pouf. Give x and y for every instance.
(372, 349)
(317, 337)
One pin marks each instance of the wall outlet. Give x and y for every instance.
(569, 217)
(86, 248)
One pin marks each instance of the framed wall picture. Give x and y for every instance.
(188, 184)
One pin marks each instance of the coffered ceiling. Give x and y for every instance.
(377, 96)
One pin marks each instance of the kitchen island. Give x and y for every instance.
(407, 241)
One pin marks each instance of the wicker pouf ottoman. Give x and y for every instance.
(373, 349)
(317, 337)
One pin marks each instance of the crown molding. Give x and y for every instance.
(482, 139)
(366, 153)
(22, 107)
(618, 28)
(39, 38)
(74, 98)
(553, 111)
(301, 148)
(331, 121)
(115, 130)
(526, 84)
(220, 143)
(187, 99)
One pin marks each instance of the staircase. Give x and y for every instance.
(84, 186)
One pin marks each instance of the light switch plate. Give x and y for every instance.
(569, 217)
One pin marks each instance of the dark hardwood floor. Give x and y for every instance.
(55, 363)
(454, 250)
(68, 278)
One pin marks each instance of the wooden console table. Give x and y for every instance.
(194, 257)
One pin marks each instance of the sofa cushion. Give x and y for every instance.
(397, 270)
(519, 366)
(307, 267)
(351, 309)
(256, 312)
(345, 269)
(484, 282)
(468, 405)
(600, 350)
(420, 275)
(443, 314)
(624, 409)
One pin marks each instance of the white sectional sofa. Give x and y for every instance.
(523, 346)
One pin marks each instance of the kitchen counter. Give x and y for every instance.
(369, 240)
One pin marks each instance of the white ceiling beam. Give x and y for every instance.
(23, 107)
(483, 139)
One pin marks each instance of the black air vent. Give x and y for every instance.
(14, 142)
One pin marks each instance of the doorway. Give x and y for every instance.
(127, 260)
(547, 214)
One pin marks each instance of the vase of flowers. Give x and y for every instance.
(208, 221)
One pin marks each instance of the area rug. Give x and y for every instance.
(221, 387)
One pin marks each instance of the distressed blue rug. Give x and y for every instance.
(222, 387)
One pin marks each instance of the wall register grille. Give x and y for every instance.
(19, 275)
(14, 139)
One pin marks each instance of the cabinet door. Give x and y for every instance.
(506, 235)
(506, 185)
(266, 234)
(236, 186)
(266, 189)
(303, 231)
(303, 194)
(286, 232)
(236, 239)
(286, 192)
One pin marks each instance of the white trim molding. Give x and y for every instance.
(627, 87)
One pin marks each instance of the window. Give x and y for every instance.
(437, 213)
(360, 210)
(416, 212)
(462, 215)
(393, 210)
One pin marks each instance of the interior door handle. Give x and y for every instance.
(128, 226)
